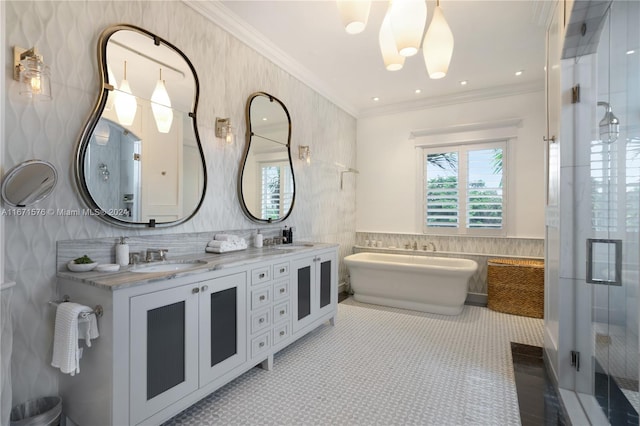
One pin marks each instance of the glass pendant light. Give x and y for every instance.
(354, 14)
(161, 106)
(437, 46)
(393, 61)
(408, 18)
(125, 102)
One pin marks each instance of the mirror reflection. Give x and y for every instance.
(28, 183)
(267, 184)
(140, 159)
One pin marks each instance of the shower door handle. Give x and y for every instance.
(598, 277)
(552, 139)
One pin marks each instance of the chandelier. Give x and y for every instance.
(401, 33)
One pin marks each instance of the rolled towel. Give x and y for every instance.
(226, 237)
(226, 245)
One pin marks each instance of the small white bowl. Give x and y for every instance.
(108, 267)
(81, 267)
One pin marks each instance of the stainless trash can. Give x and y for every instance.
(37, 412)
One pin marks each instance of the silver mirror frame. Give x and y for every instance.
(249, 134)
(13, 173)
(96, 114)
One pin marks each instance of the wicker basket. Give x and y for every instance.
(516, 286)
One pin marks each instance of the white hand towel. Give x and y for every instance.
(226, 237)
(66, 353)
(88, 327)
(221, 244)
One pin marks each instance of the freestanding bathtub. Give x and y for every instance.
(421, 283)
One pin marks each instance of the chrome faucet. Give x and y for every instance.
(431, 245)
(134, 257)
(415, 245)
(162, 254)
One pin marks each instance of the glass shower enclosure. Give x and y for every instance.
(607, 221)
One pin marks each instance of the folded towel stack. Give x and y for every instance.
(73, 322)
(222, 243)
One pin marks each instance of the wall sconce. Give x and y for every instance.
(224, 130)
(32, 73)
(304, 153)
(102, 133)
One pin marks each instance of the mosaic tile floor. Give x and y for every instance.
(383, 366)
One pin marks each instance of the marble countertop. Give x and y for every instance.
(207, 262)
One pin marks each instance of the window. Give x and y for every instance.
(464, 189)
(276, 189)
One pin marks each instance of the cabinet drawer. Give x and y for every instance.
(260, 344)
(260, 320)
(280, 333)
(260, 275)
(260, 298)
(281, 290)
(280, 312)
(281, 270)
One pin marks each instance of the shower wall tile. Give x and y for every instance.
(66, 33)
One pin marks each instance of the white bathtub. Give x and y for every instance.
(421, 283)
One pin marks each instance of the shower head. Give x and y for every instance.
(609, 125)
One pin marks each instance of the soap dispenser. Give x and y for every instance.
(257, 240)
(122, 252)
(285, 235)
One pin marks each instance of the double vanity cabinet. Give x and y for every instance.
(168, 340)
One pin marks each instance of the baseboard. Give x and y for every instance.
(476, 299)
(342, 287)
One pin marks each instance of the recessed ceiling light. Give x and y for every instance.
(519, 73)
(418, 91)
(264, 118)
(375, 99)
(631, 52)
(463, 82)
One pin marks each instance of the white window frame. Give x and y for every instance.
(283, 165)
(462, 150)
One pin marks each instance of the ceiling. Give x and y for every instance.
(493, 40)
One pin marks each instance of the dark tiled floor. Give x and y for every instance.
(537, 397)
(614, 402)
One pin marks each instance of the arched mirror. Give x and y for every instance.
(139, 160)
(267, 186)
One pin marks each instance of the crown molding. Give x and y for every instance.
(220, 15)
(458, 98)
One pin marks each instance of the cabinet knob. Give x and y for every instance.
(261, 344)
(282, 312)
(282, 333)
(282, 270)
(195, 290)
(261, 275)
(205, 288)
(262, 297)
(282, 290)
(261, 320)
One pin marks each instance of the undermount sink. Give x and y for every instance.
(166, 266)
(293, 246)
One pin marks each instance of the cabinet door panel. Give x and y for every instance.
(222, 326)
(325, 283)
(164, 349)
(302, 292)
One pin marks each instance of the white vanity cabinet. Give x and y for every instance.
(166, 343)
(314, 293)
(182, 339)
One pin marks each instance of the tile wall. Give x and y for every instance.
(66, 34)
